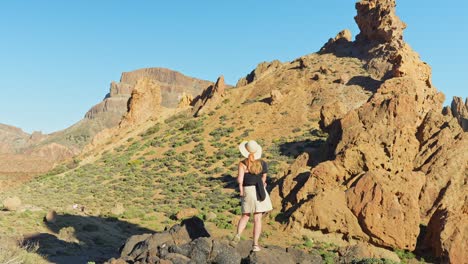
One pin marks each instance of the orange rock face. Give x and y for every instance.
(397, 161)
(144, 104)
(210, 98)
(460, 111)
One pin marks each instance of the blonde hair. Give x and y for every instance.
(254, 166)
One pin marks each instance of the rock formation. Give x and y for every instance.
(460, 111)
(185, 100)
(398, 138)
(342, 37)
(145, 102)
(262, 69)
(190, 242)
(210, 98)
(172, 84)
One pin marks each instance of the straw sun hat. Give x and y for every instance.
(247, 147)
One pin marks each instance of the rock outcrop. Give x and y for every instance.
(261, 70)
(460, 111)
(341, 38)
(185, 100)
(398, 138)
(144, 103)
(190, 242)
(172, 83)
(210, 98)
(173, 86)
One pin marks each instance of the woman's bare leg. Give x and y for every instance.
(257, 230)
(242, 223)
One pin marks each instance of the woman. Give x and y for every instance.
(252, 177)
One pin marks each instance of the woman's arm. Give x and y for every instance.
(264, 178)
(240, 179)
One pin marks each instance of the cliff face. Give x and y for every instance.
(172, 85)
(390, 169)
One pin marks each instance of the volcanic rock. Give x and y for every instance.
(210, 98)
(342, 37)
(460, 111)
(397, 138)
(447, 231)
(377, 21)
(185, 100)
(328, 211)
(172, 84)
(189, 242)
(144, 104)
(50, 217)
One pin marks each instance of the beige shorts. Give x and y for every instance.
(249, 203)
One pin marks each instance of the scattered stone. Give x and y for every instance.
(51, 216)
(325, 70)
(317, 76)
(12, 203)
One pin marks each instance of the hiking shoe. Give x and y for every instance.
(256, 248)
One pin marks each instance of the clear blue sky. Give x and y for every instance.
(58, 57)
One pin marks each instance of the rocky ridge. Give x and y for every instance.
(460, 111)
(398, 138)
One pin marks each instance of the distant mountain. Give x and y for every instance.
(51, 149)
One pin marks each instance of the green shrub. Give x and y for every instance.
(152, 130)
(221, 132)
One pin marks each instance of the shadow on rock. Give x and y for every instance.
(366, 82)
(79, 239)
(311, 147)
